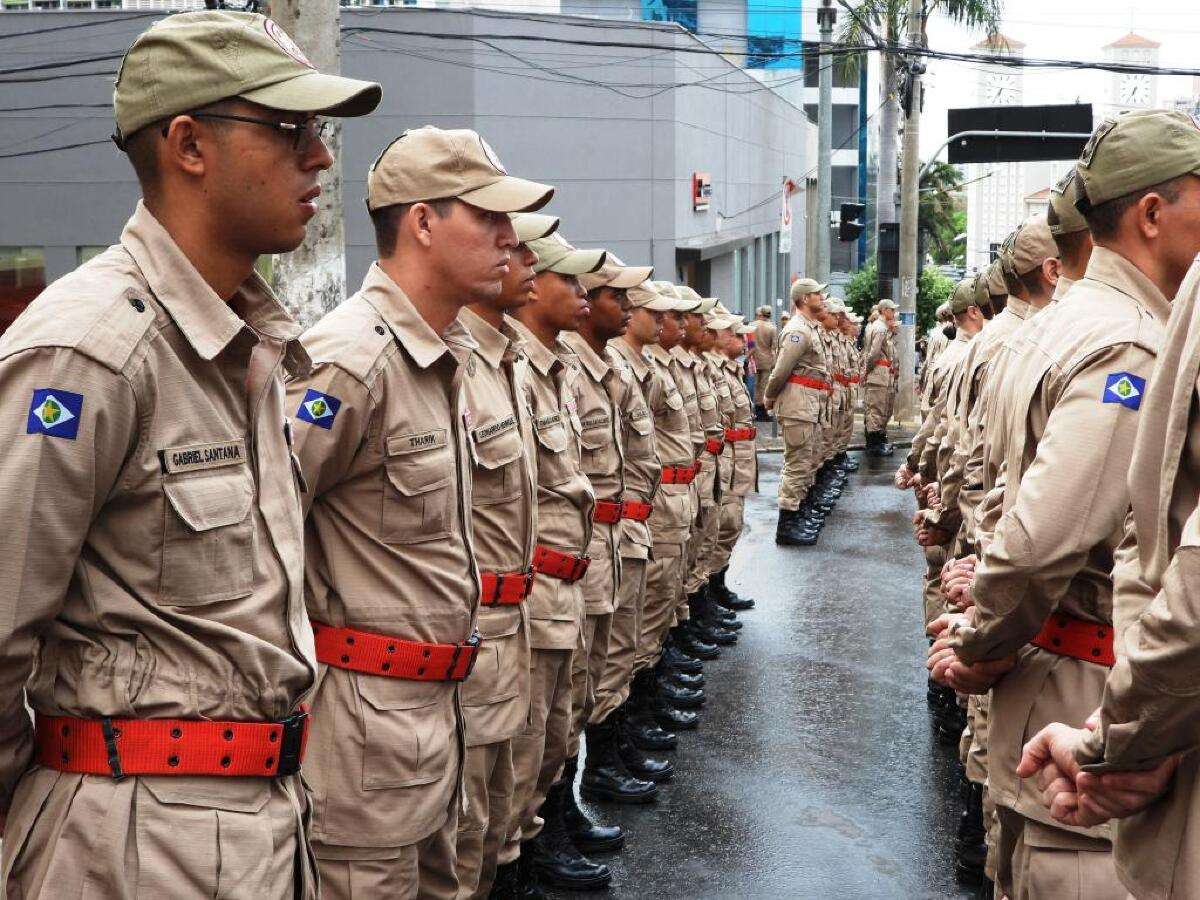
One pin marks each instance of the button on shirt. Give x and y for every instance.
(153, 564)
(381, 437)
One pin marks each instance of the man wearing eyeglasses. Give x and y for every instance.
(152, 577)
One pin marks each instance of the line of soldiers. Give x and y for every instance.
(474, 522)
(1056, 512)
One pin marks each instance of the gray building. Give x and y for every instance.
(623, 118)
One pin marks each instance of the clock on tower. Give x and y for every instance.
(1001, 89)
(1135, 89)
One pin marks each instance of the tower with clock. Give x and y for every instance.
(1133, 90)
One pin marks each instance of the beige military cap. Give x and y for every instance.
(703, 304)
(616, 274)
(963, 297)
(803, 286)
(764, 310)
(942, 313)
(993, 277)
(644, 296)
(1135, 150)
(885, 303)
(190, 60)
(1063, 197)
(556, 255)
(430, 163)
(531, 226)
(1032, 245)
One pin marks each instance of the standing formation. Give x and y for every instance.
(462, 540)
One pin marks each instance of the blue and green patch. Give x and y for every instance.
(318, 409)
(55, 412)
(1124, 388)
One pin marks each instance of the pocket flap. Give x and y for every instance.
(248, 795)
(399, 693)
(212, 498)
(551, 433)
(413, 472)
(499, 448)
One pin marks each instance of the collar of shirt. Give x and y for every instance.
(1064, 284)
(1120, 274)
(541, 357)
(597, 367)
(683, 356)
(637, 361)
(658, 354)
(207, 321)
(493, 344)
(420, 341)
(1018, 308)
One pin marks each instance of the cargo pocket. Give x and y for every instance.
(598, 448)
(416, 502)
(497, 466)
(554, 465)
(408, 731)
(641, 442)
(496, 676)
(208, 536)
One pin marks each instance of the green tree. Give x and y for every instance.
(933, 289)
(941, 218)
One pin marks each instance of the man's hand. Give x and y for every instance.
(933, 495)
(1115, 795)
(946, 668)
(903, 478)
(961, 594)
(944, 625)
(932, 535)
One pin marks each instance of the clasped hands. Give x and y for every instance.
(946, 668)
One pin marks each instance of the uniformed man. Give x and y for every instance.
(154, 565)
(795, 394)
(877, 376)
(391, 575)
(1085, 374)
(935, 343)
(495, 703)
(766, 346)
(548, 833)
(848, 324)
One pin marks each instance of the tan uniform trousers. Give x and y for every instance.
(878, 402)
(421, 871)
(87, 836)
(935, 603)
(488, 780)
(586, 669)
(729, 529)
(690, 548)
(664, 580)
(539, 751)
(846, 425)
(612, 688)
(704, 535)
(1037, 862)
(799, 461)
(760, 383)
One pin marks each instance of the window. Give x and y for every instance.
(681, 11)
(87, 252)
(22, 277)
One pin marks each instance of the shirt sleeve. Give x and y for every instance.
(56, 480)
(794, 345)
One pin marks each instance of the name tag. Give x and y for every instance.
(203, 456)
(545, 422)
(594, 421)
(638, 414)
(410, 443)
(487, 431)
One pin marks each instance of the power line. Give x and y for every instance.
(52, 149)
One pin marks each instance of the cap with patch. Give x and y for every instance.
(531, 226)
(1032, 246)
(764, 310)
(431, 163)
(556, 255)
(885, 303)
(993, 277)
(803, 286)
(983, 296)
(1135, 150)
(963, 297)
(1063, 197)
(190, 60)
(702, 304)
(616, 274)
(644, 296)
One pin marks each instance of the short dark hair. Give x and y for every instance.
(387, 221)
(1104, 218)
(1031, 281)
(142, 146)
(1073, 247)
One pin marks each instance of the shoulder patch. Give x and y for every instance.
(1124, 388)
(55, 412)
(318, 409)
(794, 338)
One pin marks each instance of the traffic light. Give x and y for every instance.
(852, 224)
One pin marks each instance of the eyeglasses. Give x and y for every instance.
(304, 134)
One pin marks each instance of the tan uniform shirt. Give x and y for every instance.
(673, 513)
(389, 550)
(875, 350)
(154, 554)
(745, 455)
(642, 466)
(503, 505)
(715, 363)
(766, 345)
(564, 494)
(1070, 444)
(801, 353)
(936, 393)
(602, 395)
(681, 366)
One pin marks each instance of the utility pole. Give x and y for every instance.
(909, 204)
(889, 128)
(826, 16)
(312, 280)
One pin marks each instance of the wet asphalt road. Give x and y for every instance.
(814, 773)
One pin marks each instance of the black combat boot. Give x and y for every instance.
(639, 722)
(885, 448)
(702, 624)
(970, 842)
(951, 722)
(849, 463)
(554, 857)
(605, 778)
(817, 501)
(686, 640)
(638, 763)
(587, 836)
(874, 444)
(664, 713)
(794, 529)
(517, 881)
(725, 595)
(677, 659)
(675, 694)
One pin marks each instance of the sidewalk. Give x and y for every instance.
(900, 434)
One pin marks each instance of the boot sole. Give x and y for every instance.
(685, 704)
(676, 726)
(656, 777)
(597, 796)
(545, 876)
(653, 747)
(591, 848)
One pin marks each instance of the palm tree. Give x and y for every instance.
(888, 19)
(937, 218)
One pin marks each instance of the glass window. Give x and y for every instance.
(22, 277)
(87, 252)
(737, 276)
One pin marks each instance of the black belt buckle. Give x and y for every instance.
(528, 573)
(471, 644)
(291, 744)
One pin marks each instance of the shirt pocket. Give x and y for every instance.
(417, 494)
(408, 731)
(599, 450)
(497, 468)
(641, 439)
(554, 454)
(208, 536)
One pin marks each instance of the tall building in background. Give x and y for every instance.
(1133, 90)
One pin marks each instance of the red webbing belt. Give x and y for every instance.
(842, 380)
(714, 445)
(562, 566)
(392, 657)
(678, 474)
(1067, 636)
(505, 588)
(855, 379)
(733, 435)
(121, 747)
(814, 383)
(886, 363)
(608, 512)
(635, 510)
